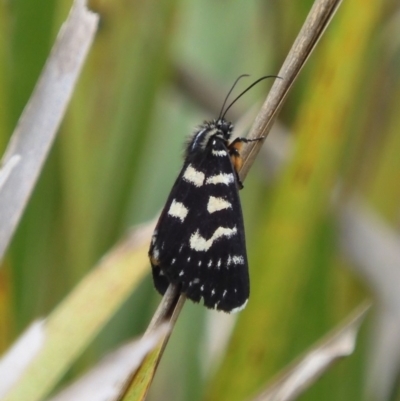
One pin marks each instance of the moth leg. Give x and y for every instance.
(234, 152)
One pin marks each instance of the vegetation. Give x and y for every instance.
(141, 92)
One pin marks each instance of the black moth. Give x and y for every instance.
(199, 241)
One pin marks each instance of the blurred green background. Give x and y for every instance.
(119, 150)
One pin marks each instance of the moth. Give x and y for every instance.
(199, 240)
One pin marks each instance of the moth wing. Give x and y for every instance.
(199, 241)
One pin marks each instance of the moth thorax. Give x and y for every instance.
(204, 137)
(201, 138)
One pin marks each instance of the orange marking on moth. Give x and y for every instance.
(236, 158)
(154, 261)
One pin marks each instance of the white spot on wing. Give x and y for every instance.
(239, 308)
(221, 179)
(219, 153)
(238, 260)
(178, 209)
(199, 243)
(216, 204)
(223, 295)
(156, 253)
(173, 261)
(193, 176)
(212, 292)
(181, 273)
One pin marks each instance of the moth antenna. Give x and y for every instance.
(230, 91)
(247, 89)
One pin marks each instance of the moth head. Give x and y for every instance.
(206, 133)
(223, 129)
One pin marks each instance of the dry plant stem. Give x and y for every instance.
(317, 21)
(168, 311)
(39, 122)
(169, 308)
